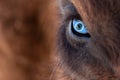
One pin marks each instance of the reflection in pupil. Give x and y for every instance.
(79, 26)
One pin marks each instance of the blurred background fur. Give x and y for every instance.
(27, 39)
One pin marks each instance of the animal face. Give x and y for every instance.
(88, 39)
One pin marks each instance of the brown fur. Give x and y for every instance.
(26, 39)
(99, 58)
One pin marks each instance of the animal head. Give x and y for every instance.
(88, 39)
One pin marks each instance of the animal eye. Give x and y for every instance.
(78, 28)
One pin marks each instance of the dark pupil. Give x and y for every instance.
(79, 26)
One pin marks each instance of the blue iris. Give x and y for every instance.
(79, 27)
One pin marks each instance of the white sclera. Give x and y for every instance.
(83, 29)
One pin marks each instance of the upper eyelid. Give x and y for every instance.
(70, 12)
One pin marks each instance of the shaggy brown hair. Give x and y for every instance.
(98, 57)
